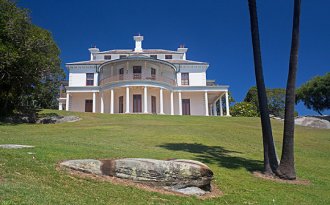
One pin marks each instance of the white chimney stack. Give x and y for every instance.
(93, 51)
(138, 43)
(183, 50)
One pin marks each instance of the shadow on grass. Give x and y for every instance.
(216, 155)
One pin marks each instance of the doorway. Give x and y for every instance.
(88, 105)
(121, 104)
(137, 103)
(185, 106)
(153, 104)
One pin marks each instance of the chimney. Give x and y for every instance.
(183, 50)
(93, 51)
(138, 43)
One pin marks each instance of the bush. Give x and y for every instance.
(244, 109)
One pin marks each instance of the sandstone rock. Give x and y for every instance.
(57, 119)
(14, 146)
(312, 122)
(183, 176)
(190, 191)
(91, 166)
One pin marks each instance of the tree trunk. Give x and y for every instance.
(270, 157)
(286, 168)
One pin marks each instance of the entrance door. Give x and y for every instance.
(153, 104)
(121, 104)
(185, 106)
(88, 105)
(137, 103)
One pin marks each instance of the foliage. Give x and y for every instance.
(244, 109)
(276, 100)
(29, 62)
(315, 93)
(230, 146)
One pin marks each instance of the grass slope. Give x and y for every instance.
(232, 147)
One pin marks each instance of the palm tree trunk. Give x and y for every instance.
(270, 157)
(286, 168)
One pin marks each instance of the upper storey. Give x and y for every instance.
(169, 66)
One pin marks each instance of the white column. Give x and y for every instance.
(102, 103)
(221, 109)
(145, 99)
(127, 100)
(94, 102)
(215, 112)
(206, 104)
(227, 104)
(67, 102)
(172, 106)
(112, 100)
(60, 106)
(161, 102)
(180, 104)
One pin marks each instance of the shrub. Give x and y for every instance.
(244, 109)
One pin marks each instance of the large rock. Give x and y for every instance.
(312, 122)
(184, 176)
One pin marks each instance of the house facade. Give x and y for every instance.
(138, 80)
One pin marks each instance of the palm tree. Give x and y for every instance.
(270, 157)
(286, 168)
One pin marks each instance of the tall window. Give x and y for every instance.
(89, 79)
(168, 56)
(184, 78)
(121, 74)
(107, 57)
(122, 56)
(153, 56)
(153, 74)
(137, 72)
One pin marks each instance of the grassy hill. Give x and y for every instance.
(232, 147)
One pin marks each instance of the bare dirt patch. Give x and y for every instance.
(277, 179)
(215, 191)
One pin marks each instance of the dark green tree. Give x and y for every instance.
(276, 100)
(29, 62)
(270, 157)
(286, 169)
(315, 93)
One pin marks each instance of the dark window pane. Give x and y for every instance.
(107, 57)
(168, 56)
(153, 56)
(89, 79)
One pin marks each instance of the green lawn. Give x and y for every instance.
(232, 147)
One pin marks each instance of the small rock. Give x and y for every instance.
(190, 191)
(14, 146)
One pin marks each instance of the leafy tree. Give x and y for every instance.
(29, 62)
(286, 168)
(270, 157)
(315, 93)
(244, 109)
(276, 100)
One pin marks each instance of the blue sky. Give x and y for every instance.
(215, 31)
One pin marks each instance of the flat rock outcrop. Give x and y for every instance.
(14, 146)
(316, 122)
(183, 176)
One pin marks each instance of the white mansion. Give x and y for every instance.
(142, 81)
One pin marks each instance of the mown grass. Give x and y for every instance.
(232, 147)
